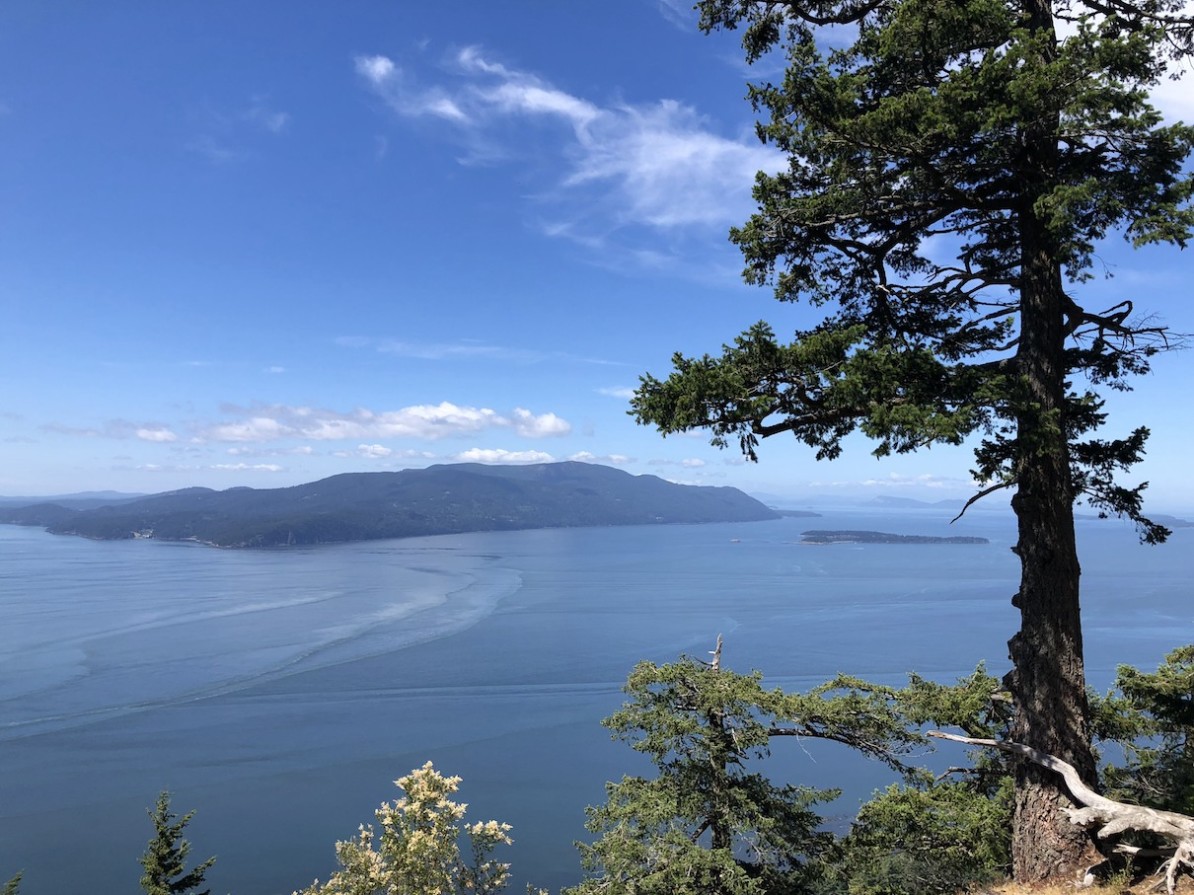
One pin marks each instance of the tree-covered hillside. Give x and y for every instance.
(369, 506)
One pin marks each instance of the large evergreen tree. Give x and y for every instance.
(953, 166)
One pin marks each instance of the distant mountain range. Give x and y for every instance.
(84, 500)
(372, 505)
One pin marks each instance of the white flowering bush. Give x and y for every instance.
(418, 851)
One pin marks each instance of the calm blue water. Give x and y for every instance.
(280, 693)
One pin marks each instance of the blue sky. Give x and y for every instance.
(260, 244)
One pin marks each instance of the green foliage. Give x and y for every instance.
(709, 821)
(943, 838)
(1152, 719)
(12, 887)
(419, 847)
(165, 858)
(975, 127)
(936, 834)
(705, 824)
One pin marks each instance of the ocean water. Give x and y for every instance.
(281, 692)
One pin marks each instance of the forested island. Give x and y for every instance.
(445, 499)
(817, 536)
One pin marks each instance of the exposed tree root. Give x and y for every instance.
(1109, 816)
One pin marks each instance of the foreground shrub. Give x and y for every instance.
(418, 850)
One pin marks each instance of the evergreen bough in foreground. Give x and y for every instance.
(165, 858)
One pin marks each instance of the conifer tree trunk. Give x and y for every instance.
(1047, 680)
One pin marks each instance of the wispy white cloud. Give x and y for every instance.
(662, 166)
(247, 429)
(512, 92)
(261, 115)
(377, 70)
(213, 150)
(158, 434)
(220, 467)
(465, 349)
(899, 481)
(266, 423)
(304, 450)
(497, 455)
(605, 459)
(374, 451)
(622, 392)
(680, 13)
(119, 429)
(687, 463)
(228, 134)
(455, 351)
(394, 85)
(256, 428)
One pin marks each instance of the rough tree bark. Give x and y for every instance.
(1048, 681)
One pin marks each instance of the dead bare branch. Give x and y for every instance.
(1111, 817)
(977, 497)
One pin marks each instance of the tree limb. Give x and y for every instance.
(977, 497)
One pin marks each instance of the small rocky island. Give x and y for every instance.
(880, 537)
